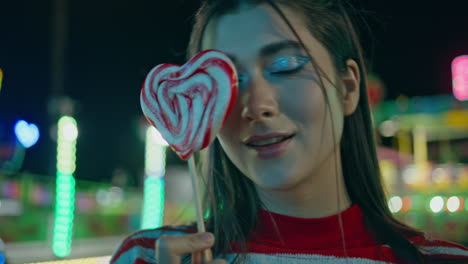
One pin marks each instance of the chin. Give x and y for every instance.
(275, 182)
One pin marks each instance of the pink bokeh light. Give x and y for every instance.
(460, 77)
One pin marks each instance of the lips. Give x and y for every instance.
(267, 139)
(270, 146)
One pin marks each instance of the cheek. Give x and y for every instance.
(229, 135)
(303, 104)
(231, 147)
(231, 127)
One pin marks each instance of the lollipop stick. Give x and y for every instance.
(207, 254)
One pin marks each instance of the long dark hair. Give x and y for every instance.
(231, 200)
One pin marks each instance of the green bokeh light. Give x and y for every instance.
(65, 187)
(155, 164)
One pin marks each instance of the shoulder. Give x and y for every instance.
(441, 251)
(138, 248)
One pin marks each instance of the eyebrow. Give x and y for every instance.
(273, 48)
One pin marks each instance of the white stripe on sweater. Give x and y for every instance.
(254, 258)
(445, 251)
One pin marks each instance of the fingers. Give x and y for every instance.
(207, 255)
(170, 248)
(197, 258)
(217, 261)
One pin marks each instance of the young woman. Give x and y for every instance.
(293, 175)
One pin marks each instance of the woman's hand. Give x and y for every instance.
(170, 248)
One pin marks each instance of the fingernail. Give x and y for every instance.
(207, 237)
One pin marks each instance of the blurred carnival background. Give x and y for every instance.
(80, 168)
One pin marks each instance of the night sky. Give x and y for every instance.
(111, 45)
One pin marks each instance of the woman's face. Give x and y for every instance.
(279, 97)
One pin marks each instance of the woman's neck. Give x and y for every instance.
(321, 194)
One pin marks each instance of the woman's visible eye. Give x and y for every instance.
(285, 65)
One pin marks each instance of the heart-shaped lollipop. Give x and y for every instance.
(188, 104)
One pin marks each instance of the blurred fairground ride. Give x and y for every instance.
(424, 162)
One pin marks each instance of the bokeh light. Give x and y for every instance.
(156, 136)
(27, 134)
(395, 204)
(155, 168)
(410, 174)
(69, 130)
(460, 77)
(436, 204)
(388, 128)
(153, 203)
(453, 204)
(1, 79)
(406, 204)
(65, 186)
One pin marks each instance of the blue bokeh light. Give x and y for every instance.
(27, 134)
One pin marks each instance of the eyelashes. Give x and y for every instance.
(290, 64)
(283, 66)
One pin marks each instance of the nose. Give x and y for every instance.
(259, 101)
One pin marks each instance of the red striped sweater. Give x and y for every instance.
(302, 241)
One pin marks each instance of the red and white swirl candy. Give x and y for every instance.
(188, 104)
